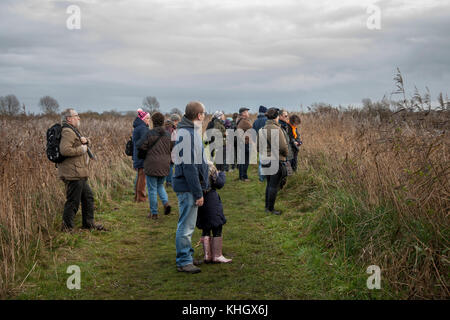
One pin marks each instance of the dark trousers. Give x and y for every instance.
(243, 168)
(223, 166)
(217, 232)
(78, 191)
(294, 162)
(273, 184)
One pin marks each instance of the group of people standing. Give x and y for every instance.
(195, 180)
(195, 183)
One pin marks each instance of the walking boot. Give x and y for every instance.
(206, 241)
(217, 251)
(167, 208)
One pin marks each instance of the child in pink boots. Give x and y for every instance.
(210, 218)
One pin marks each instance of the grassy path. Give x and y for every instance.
(273, 256)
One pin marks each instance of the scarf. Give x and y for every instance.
(294, 130)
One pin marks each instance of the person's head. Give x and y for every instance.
(168, 123)
(212, 170)
(195, 111)
(284, 116)
(235, 115)
(70, 116)
(219, 115)
(262, 109)
(273, 114)
(294, 120)
(243, 112)
(158, 119)
(144, 116)
(175, 119)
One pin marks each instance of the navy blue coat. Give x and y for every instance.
(210, 215)
(140, 130)
(260, 122)
(189, 177)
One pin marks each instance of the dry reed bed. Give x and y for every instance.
(33, 197)
(399, 162)
(396, 160)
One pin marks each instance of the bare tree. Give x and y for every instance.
(150, 104)
(2, 105)
(49, 105)
(9, 105)
(367, 103)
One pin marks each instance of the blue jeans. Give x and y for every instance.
(155, 186)
(186, 225)
(169, 177)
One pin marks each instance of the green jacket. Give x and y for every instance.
(76, 165)
(219, 126)
(283, 146)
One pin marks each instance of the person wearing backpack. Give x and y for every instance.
(74, 171)
(141, 129)
(274, 180)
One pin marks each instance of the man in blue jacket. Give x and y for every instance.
(189, 181)
(258, 124)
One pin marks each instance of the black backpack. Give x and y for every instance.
(129, 147)
(53, 140)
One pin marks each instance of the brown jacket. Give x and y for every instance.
(244, 124)
(283, 146)
(76, 166)
(158, 157)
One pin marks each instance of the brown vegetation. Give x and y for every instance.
(398, 164)
(398, 161)
(33, 197)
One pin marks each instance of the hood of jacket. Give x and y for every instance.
(185, 123)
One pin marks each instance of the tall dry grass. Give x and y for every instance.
(399, 161)
(396, 161)
(32, 197)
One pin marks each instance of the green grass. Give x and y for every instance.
(274, 257)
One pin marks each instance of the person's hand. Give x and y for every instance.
(83, 140)
(84, 147)
(199, 202)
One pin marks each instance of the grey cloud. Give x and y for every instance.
(226, 53)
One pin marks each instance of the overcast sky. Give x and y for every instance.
(227, 53)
